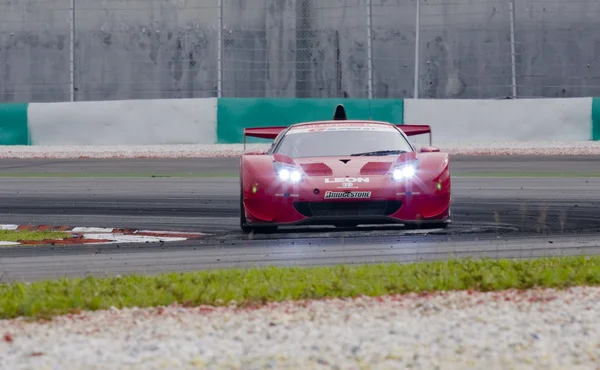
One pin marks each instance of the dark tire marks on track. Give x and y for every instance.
(552, 216)
(475, 164)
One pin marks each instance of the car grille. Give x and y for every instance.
(348, 209)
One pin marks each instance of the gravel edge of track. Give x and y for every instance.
(547, 329)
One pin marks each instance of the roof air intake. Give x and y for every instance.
(340, 113)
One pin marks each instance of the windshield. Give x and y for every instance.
(343, 142)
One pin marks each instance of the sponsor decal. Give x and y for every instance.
(338, 180)
(341, 127)
(347, 194)
(409, 193)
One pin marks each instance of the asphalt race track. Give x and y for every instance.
(510, 206)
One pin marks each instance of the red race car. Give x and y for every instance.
(343, 173)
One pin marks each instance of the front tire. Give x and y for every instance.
(245, 228)
(244, 223)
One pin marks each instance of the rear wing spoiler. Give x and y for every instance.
(263, 132)
(272, 132)
(413, 130)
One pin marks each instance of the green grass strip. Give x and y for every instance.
(16, 235)
(258, 286)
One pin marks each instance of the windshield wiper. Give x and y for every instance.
(379, 152)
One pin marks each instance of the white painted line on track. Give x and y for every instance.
(8, 243)
(170, 232)
(122, 238)
(93, 229)
(8, 227)
(105, 235)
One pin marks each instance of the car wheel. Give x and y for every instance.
(245, 228)
(243, 224)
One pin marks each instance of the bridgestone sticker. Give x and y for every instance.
(347, 194)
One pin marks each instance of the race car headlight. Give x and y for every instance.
(404, 172)
(287, 173)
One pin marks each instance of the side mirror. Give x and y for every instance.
(429, 149)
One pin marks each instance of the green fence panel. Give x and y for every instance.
(596, 119)
(13, 124)
(235, 114)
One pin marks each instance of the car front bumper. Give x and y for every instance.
(386, 205)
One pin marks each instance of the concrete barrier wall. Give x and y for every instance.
(212, 120)
(296, 48)
(126, 122)
(459, 122)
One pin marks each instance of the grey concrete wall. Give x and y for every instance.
(133, 49)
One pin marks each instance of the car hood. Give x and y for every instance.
(347, 166)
